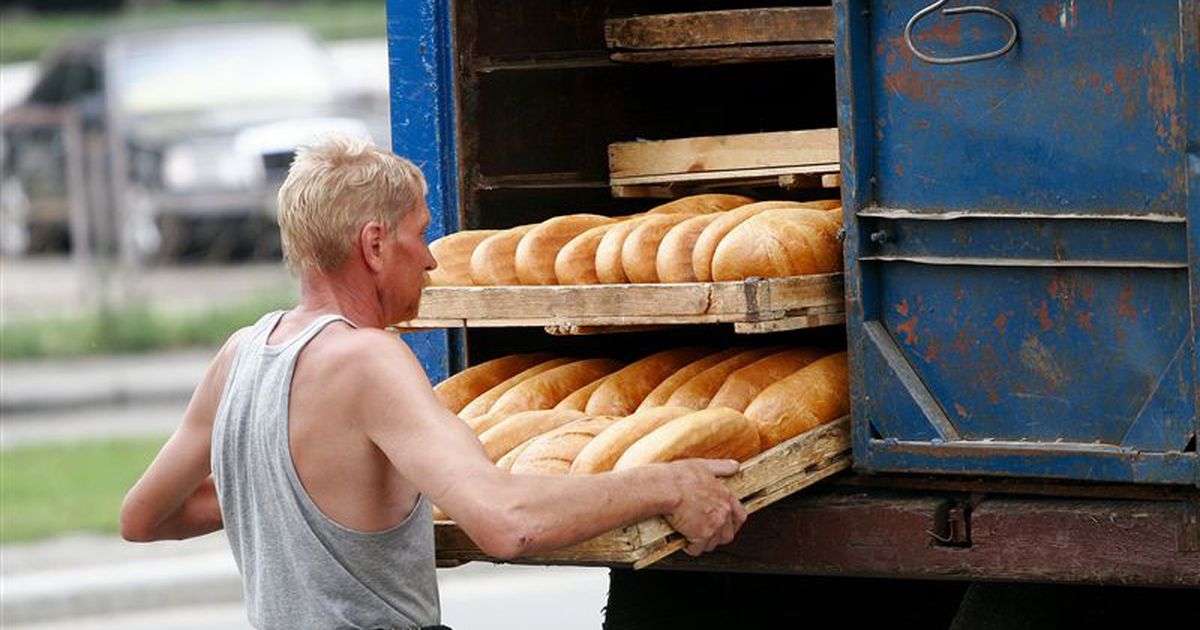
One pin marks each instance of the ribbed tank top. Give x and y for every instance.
(300, 569)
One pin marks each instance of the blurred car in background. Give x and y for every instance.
(209, 118)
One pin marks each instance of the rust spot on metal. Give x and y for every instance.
(1089, 292)
(1085, 320)
(909, 330)
(1164, 97)
(1049, 13)
(931, 352)
(1043, 315)
(942, 31)
(1124, 307)
(1001, 323)
(902, 307)
(961, 411)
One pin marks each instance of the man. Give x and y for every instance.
(316, 440)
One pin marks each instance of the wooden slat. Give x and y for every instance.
(727, 54)
(721, 28)
(762, 480)
(758, 154)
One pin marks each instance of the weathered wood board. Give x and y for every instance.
(752, 155)
(762, 480)
(720, 28)
(788, 303)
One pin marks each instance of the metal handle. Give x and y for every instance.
(908, 28)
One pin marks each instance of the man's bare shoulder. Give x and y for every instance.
(362, 354)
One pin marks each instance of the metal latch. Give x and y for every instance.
(952, 522)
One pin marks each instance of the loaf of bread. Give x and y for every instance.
(711, 235)
(718, 433)
(674, 259)
(576, 261)
(553, 452)
(482, 423)
(483, 403)
(639, 252)
(453, 255)
(578, 399)
(519, 427)
(779, 243)
(659, 395)
(743, 385)
(460, 389)
(602, 453)
(506, 462)
(609, 267)
(540, 246)
(549, 388)
(622, 392)
(494, 261)
(699, 390)
(701, 204)
(811, 396)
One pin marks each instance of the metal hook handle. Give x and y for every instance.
(908, 28)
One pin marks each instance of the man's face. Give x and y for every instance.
(409, 263)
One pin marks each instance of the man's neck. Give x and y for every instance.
(343, 292)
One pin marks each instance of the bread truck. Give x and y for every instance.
(1019, 294)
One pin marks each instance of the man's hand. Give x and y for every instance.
(707, 513)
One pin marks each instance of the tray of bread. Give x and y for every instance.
(779, 410)
(704, 259)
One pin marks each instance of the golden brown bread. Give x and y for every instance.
(494, 261)
(519, 427)
(506, 462)
(602, 453)
(701, 204)
(483, 403)
(622, 392)
(779, 243)
(674, 259)
(659, 395)
(453, 255)
(811, 396)
(554, 451)
(639, 252)
(711, 235)
(576, 261)
(539, 247)
(577, 400)
(710, 434)
(743, 385)
(549, 388)
(609, 268)
(460, 389)
(698, 390)
(482, 423)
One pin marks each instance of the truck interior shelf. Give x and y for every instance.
(729, 36)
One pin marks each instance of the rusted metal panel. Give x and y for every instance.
(961, 537)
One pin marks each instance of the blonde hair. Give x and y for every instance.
(333, 189)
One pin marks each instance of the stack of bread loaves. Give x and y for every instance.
(540, 414)
(710, 237)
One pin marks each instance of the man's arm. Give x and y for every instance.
(510, 515)
(176, 498)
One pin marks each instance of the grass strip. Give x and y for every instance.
(54, 489)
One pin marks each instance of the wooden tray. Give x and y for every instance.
(753, 306)
(762, 480)
(789, 159)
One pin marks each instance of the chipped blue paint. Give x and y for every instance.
(420, 62)
(1023, 240)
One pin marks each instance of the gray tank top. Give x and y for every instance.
(300, 569)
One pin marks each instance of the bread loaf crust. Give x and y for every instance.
(779, 243)
(701, 204)
(453, 255)
(711, 236)
(744, 384)
(458, 390)
(547, 389)
(480, 424)
(506, 461)
(609, 267)
(621, 394)
(718, 433)
(483, 403)
(576, 261)
(577, 400)
(494, 261)
(699, 390)
(811, 396)
(519, 427)
(639, 252)
(659, 395)
(538, 249)
(602, 453)
(673, 262)
(554, 451)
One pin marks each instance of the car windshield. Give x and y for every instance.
(190, 70)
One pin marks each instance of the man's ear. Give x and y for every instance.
(370, 241)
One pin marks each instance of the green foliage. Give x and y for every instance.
(54, 489)
(28, 36)
(132, 329)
